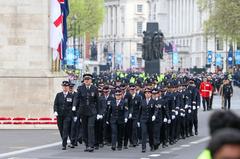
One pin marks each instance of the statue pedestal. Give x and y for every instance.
(152, 67)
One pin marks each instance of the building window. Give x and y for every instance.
(219, 43)
(139, 28)
(139, 47)
(139, 8)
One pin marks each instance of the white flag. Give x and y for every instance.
(56, 34)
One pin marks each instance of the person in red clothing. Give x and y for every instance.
(206, 89)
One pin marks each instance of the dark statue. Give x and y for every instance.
(147, 46)
(153, 45)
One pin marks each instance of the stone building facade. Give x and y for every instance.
(27, 84)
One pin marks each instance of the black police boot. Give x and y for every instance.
(91, 149)
(113, 148)
(86, 149)
(64, 148)
(196, 133)
(72, 146)
(143, 150)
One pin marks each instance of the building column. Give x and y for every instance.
(109, 21)
(170, 17)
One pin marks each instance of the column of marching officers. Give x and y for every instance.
(126, 115)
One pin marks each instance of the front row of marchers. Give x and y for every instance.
(126, 115)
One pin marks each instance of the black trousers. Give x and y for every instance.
(134, 132)
(211, 102)
(147, 130)
(195, 120)
(182, 127)
(206, 102)
(164, 133)
(99, 132)
(117, 134)
(172, 130)
(107, 132)
(88, 130)
(128, 132)
(227, 100)
(157, 126)
(64, 125)
(74, 131)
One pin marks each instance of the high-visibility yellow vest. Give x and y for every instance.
(206, 154)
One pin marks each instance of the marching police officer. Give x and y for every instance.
(134, 113)
(117, 116)
(148, 114)
(63, 111)
(87, 99)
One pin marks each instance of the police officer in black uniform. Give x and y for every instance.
(148, 114)
(157, 125)
(128, 129)
(134, 113)
(195, 105)
(117, 116)
(63, 111)
(87, 99)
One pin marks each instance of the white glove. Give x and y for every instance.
(186, 106)
(107, 122)
(181, 114)
(130, 116)
(74, 108)
(176, 112)
(100, 116)
(138, 124)
(173, 117)
(74, 119)
(165, 120)
(153, 118)
(55, 114)
(169, 121)
(125, 120)
(189, 111)
(194, 107)
(198, 107)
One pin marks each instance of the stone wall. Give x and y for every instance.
(27, 86)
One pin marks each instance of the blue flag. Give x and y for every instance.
(237, 57)
(230, 57)
(218, 59)
(209, 57)
(65, 13)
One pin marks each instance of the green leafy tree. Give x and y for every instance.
(224, 18)
(86, 16)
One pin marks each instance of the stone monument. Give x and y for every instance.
(27, 83)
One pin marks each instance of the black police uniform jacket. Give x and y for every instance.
(63, 105)
(117, 112)
(105, 103)
(147, 110)
(160, 104)
(86, 100)
(135, 106)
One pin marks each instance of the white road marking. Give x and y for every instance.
(185, 145)
(18, 147)
(176, 148)
(154, 155)
(3, 155)
(201, 140)
(144, 158)
(165, 152)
